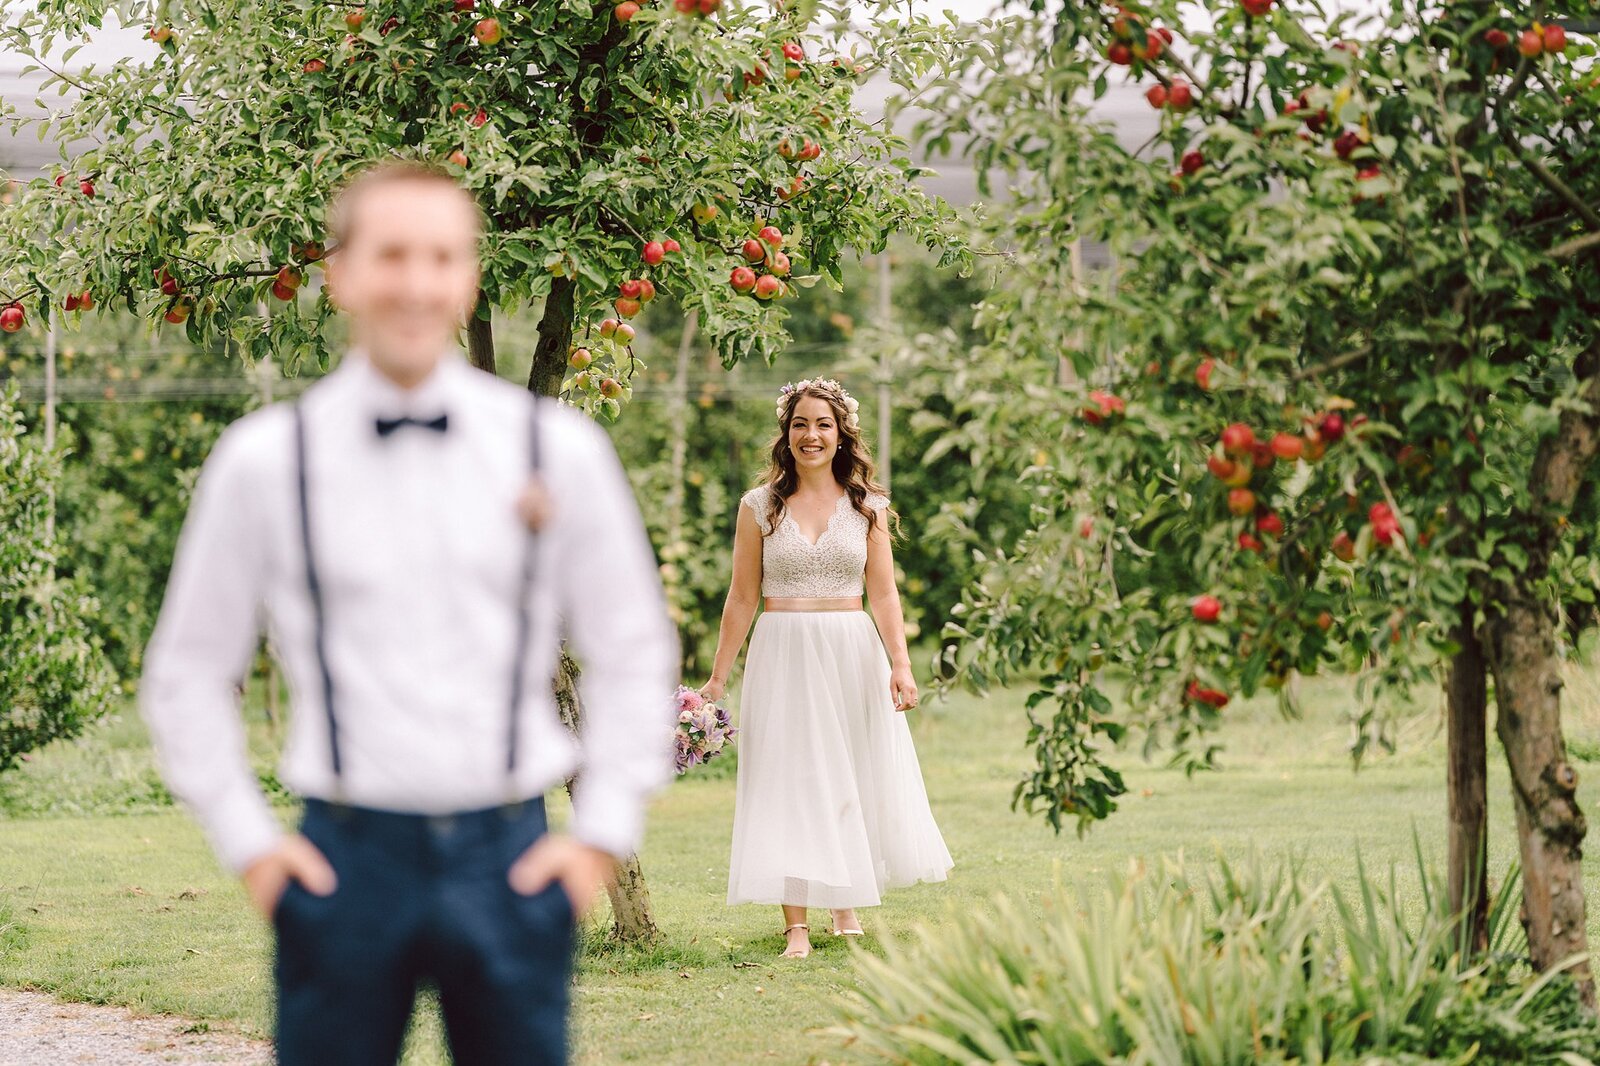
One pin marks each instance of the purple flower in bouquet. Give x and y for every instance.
(703, 728)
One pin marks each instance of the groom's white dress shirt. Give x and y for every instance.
(420, 551)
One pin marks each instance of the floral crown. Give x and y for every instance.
(829, 386)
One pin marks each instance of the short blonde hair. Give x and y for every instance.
(341, 209)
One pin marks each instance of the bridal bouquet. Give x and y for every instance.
(703, 728)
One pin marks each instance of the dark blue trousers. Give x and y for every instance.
(423, 899)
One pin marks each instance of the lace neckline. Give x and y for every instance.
(798, 532)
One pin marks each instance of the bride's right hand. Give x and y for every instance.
(713, 690)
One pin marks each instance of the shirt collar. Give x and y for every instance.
(384, 398)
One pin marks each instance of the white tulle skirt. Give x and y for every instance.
(830, 807)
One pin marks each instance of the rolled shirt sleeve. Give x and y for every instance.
(611, 601)
(204, 642)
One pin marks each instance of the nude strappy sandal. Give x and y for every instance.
(790, 953)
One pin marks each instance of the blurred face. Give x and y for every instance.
(407, 274)
(813, 433)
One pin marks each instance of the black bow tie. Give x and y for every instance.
(387, 426)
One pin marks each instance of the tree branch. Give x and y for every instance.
(1574, 246)
(1561, 189)
(1344, 359)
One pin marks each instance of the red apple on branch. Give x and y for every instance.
(767, 287)
(12, 318)
(1222, 469)
(653, 253)
(753, 250)
(1206, 608)
(488, 31)
(1257, 8)
(1238, 439)
(1555, 38)
(743, 279)
(1497, 38)
(1530, 43)
(1287, 446)
(1102, 405)
(1241, 501)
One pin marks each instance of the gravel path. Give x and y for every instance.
(38, 1030)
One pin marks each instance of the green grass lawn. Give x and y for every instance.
(107, 896)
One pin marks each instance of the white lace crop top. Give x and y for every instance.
(793, 566)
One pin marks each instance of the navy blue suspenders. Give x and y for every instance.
(524, 618)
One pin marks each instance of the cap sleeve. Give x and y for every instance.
(877, 501)
(756, 500)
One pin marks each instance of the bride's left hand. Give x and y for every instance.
(903, 687)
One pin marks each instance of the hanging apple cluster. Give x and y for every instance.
(600, 364)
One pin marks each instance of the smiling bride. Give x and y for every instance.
(830, 808)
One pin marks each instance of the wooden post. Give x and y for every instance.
(1466, 709)
(678, 418)
(885, 373)
(50, 419)
(1065, 375)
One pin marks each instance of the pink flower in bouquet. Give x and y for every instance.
(689, 699)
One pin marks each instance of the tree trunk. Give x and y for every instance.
(555, 336)
(634, 922)
(1520, 642)
(480, 336)
(1550, 826)
(1467, 776)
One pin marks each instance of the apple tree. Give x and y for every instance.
(707, 150)
(1335, 404)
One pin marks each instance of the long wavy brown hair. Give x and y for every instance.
(852, 463)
